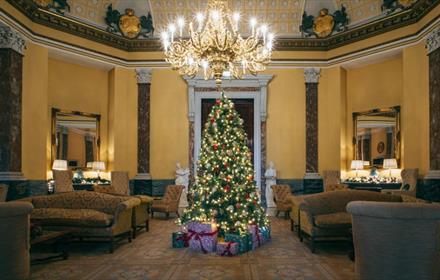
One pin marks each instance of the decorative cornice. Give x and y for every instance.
(10, 39)
(143, 75)
(433, 40)
(72, 26)
(311, 75)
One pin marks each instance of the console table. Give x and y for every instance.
(86, 186)
(372, 186)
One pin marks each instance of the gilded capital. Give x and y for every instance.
(143, 75)
(311, 75)
(433, 40)
(11, 39)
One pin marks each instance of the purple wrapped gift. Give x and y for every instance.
(257, 240)
(202, 237)
(227, 248)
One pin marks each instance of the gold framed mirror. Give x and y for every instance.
(376, 136)
(75, 137)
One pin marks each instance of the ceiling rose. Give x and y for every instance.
(215, 46)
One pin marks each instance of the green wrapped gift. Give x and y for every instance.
(179, 239)
(265, 231)
(244, 241)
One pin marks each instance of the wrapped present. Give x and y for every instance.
(244, 241)
(227, 248)
(180, 239)
(202, 237)
(265, 231)
(257, 236)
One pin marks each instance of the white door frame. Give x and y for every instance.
(250, 87)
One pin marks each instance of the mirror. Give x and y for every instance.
(376, 136)
(75, 137)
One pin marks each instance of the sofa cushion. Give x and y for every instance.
(71, 217)
(334, 220)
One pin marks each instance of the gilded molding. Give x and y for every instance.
(311, 75)
(11, 39)
(72, 26)
(143, 75)
(433, 40)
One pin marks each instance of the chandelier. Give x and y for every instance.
(215, 45)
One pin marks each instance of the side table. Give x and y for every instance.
(55, 237)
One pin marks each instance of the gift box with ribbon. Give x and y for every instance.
(265, 231)
(202, 237)
(180, 239)
(257, 236)
(244, 241)
(227, 248)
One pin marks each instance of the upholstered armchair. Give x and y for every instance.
(14, 244)
(120, 182)
(63, 181)
(120, 185)
(3, 192)
(332, 181)
(281, 196)
(409, 183)
(323, 216)
(170, 201)
(396, 240)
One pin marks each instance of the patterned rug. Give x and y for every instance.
(150, 256)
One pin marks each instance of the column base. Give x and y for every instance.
(432, 175)
(312, 183)
(12, 176)
(17, 185)
(143, 184)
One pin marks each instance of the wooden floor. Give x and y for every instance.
(150, 256)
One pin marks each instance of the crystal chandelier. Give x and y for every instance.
(215, 46)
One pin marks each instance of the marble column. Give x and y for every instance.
(143, 178)
(312, 180)
(12, 46)
(432, 182)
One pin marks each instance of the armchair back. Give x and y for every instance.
(409, 178)
(63, 181)
(120, 182)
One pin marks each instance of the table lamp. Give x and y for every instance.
(59, 164)
(98, 166)
(357, 165)
(390, 163)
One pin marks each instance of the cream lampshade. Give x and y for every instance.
(390, 163)
(59, 164)
(357, 165)
(98, 165)
(89, 164)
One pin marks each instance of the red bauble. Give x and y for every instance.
(227, 188)
(215, 146)
(225, 164)
(247, 196)
(237, 205)
(255, 202)
(212, 120)
(217, 101)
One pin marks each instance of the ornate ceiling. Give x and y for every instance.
(366, 18)
(284, 16)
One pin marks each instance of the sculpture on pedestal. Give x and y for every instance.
(182, 178)
(271, 179)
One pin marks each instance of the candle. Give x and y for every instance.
(181, 24)
(236, 18)
(199, 18)
(253, 24)
(263, 29)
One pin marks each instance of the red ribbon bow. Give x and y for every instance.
(198, 236)
(227, 251)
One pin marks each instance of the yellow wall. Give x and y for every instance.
(169, 125)
(79, 88)
(286, 122)
(36, 114)
(415, 111)
(370, 87)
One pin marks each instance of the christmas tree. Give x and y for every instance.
(225, 191)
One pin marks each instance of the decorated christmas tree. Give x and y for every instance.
(225, 192)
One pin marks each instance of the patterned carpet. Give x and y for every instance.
(150, 256)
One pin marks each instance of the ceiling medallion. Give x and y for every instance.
(129, 25)
(324, 25)
(215, 46)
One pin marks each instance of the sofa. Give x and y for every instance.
(14, 244)
(323, 216)
(90, 215)
(396, 240)
(141, 213)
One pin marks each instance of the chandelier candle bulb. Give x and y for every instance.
(181, 24)
(253, 24)
(172, 29)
